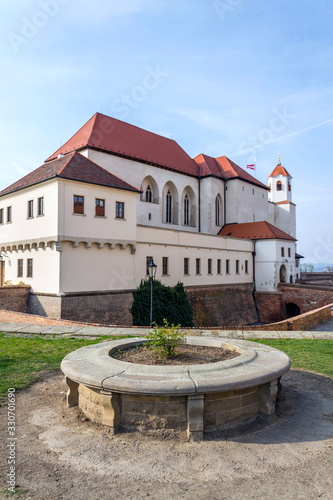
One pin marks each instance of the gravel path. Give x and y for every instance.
(60, 455)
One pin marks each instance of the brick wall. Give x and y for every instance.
(104, 308)
(270, 306)
(306, 297)
(14, 298)
(222, 305)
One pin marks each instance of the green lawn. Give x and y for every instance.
(308, 354)
(22, 359)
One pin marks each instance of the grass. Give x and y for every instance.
(315, 355)
(22, 359)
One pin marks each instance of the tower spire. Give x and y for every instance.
(279, 159)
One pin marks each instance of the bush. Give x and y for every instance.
(169, 303)
(164, 340)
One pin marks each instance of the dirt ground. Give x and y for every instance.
(60, 455)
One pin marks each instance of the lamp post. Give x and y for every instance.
(152, 273)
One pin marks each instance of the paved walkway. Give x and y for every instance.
(29, 324)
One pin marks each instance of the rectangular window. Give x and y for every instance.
(197, 266)
(20, 268)
(237, 266)
(165, 265)
(29, 268)
(1, 215)
(78, 207)
(186, 265)
(227, 266)
(99, 207)
(282, 251)
(40, 206)
(246, 267)
(209, 266)
(9, 214)
(289, 252)
(148, 259)
(120, 210)
(30, 209)
(218, 266)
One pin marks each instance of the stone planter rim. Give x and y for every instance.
(257, 364)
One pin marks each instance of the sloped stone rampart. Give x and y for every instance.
(230, 305)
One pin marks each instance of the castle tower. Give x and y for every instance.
(279, 183)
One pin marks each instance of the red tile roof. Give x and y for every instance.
(75, 167)
(255, 231)
(114, 136)
(279, 170)
(224, 168)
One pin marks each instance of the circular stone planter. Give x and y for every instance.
(191, 398)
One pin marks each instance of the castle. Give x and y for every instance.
(81, 228)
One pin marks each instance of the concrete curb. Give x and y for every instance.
(97, 331)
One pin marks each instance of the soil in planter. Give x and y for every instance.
(186, 355)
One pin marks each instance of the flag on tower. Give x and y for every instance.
(252, 167)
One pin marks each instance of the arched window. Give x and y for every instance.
(218, 207)
(186, 211)
(168, 207)
(149, 196)
(149, 190)
(279, 186)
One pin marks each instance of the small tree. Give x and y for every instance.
(170, 303)
(164, 340)
(307, 268)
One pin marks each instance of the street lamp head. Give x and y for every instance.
(152, 269)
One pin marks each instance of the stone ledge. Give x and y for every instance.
(256, 365)
(192, 398)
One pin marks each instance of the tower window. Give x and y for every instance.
(279, 186)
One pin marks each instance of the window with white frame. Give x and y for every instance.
(40, 206)
(9, 214)
(29, 268)
(30, 209)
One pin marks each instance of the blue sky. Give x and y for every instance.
(241, 78)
